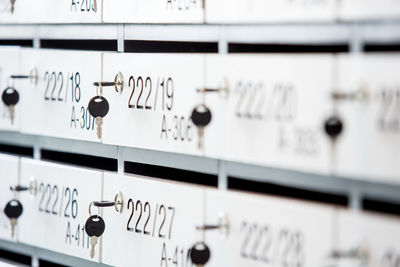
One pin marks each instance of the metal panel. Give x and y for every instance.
(47, 255)
(154, 109)
(48, 11)
(57, 104)
(261, 11)
(55, 216)
(288, 33)
(267, 230)
(374, 237)
(153, 11)
(353, 10)
(371, 136)
(352, 187)
(157, 223)
(267, 117)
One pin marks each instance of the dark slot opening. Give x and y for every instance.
(381, 206)
(15, 257)
(286, 48)
(285, 191)
(97, 45)
(371, 47)
(81, 160)
(169, 47)
(25, 43)
(171, 174)
(43, 263)
(17, 150)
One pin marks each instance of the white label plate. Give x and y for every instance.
(61, 112)
(10, 65)
(369, 144)
(259, 11)
(369, 9)
(9, 177)
(55, 217)
(268, 231)
(377, 235)
(165, 124)
(268, 118)
(50, 11)
(180, 207)
(153, 11)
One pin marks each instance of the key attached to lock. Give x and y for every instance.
(201, 117)
(14, 208)
(95, 224)
(10, 98)
(13, 211)
(94, 227)
(10, 95)
(98, 108)
(200, 254)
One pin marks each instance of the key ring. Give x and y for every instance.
(99, 89)
(118, 203)
(100, 204)
(10, 82)
(90, 209)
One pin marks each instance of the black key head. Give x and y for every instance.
(201, 115)
(95, 226)
(333, 127)
(13, 209)
(10, 96)
(200, 253)
(98, 106)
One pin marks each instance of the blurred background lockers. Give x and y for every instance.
(237, 133)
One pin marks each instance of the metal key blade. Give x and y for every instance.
(12, 2)
(93, 242)
(94, 227)
(99, 124)
(201, 136)
(13, 223)
(11, 110)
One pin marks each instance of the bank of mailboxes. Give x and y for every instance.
(195, 11)
(152, 223)
(316, 113)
